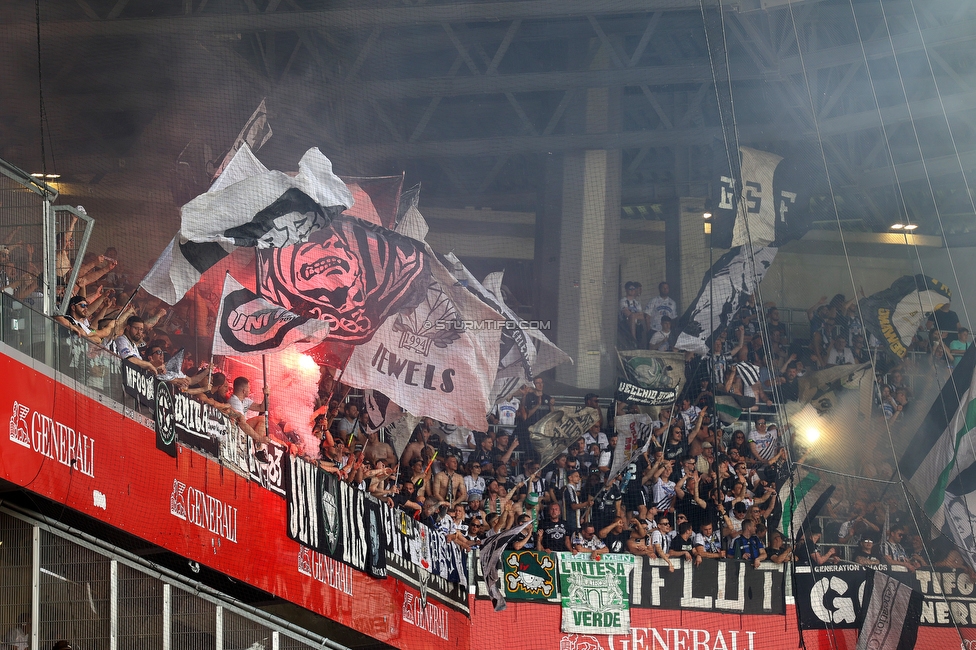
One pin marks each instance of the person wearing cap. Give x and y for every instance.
(778, 551)
(705, 460)
(865, 553)
(61, 645)
(448, 486)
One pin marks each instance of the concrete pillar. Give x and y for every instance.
(693, 250)
(590, 248)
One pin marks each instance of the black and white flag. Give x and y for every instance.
(255, 133)
(893, 613)
(727, 286)
(525, 351)
(894, 314)
(764, 200)
(248, 325)
(490, 557)
(248, 206)
(943, 479)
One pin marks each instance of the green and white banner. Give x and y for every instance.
(595, 593)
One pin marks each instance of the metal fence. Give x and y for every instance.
(42, 246)
(104, 599)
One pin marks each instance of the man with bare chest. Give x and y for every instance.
(377, 450)
(449, 485)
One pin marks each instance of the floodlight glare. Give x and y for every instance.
(911, 226)
(897, 226)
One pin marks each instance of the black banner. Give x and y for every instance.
(138, 384)
(349, 525)
(199, 425)
(165, 419)
(273, 474)
(721, 586)
(177, 416)
(401, 530)
(375, 538)
(634, 394)
(834, 597)
(715, 586)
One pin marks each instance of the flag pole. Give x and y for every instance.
(264, 357)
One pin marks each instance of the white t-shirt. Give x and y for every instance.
(631, 305)
(690, 416)
(840, 357)
(240, 405)
(663, 492)
(124, 347)
(660, 539)
(658, 307)
(474, 486)
(506, 412)
(659, 338)
(599, 439)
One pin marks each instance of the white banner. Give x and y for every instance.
(438, 360)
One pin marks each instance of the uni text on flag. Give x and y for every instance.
(250, 325)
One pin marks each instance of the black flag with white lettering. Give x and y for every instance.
(375, 539)
(764, 200)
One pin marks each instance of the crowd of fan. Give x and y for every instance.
(700, 490)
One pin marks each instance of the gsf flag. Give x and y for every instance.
(248, 206)
(765, 199)
(249, 325)
(438, 360)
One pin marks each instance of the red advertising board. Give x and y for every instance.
(526, 625)
(69, 447)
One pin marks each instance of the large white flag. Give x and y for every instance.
(248, 205)
(438, 359)
(727, 285)
(248, 325)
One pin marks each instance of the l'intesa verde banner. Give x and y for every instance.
(595, 592)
